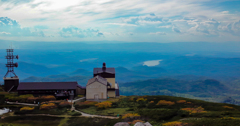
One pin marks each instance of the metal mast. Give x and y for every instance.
(10, 65)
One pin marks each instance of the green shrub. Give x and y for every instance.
(64, 104)
(86, 104)
(214, 122)
(74, 113)
(158, 114)
(37, 111)
(80, 96)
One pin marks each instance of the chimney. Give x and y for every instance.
(104, 67)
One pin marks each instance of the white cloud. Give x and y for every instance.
(11, 28)
(73, 31)
(6, 33)
(122, 24)
(158, 33)
(191, 17)
(166, 26)
(225, 12)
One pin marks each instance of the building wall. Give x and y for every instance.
(81, 91)
(111, 94)
(9, 83)
(96, 90)
(112, 81)
(42, 92)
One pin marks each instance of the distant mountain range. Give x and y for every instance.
(207, 89)
(82, 80)
(182, 70)
(174, 47)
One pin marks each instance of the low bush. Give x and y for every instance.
(164, 102)
(174, 123)
(158, 114)
(214, 122)
(80, 96)
(228, 107)
(48, 106)
(32, 99)
(103, 105)
(194, 110)
(181, 101)
(27, 108)
(43, 111)
(135, 121)
(86, 104)
(64, 104)
(141, 99)
(47, 98)
(74, 113)
(130, 115)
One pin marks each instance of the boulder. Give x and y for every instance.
(147, 124)
(122, 124)
(139, 124)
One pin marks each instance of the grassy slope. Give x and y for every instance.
(160, 114)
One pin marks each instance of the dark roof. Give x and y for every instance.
(47, 85)
(101, 70)
(99, 79)
(81, 87)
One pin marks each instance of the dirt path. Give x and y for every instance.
(99, 116)
(73, 108)
(89, 115)
(22, 103)
(76, 99)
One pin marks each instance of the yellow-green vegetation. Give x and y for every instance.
(141, 99)
(228, 107)
(3, 93)
(63, 121)
(106, 112)
(168, 110)
(181, 101)
(47, 98)
(48, 106)
(85, 104)
(113, 99)
(194, 110)
(74, 113)
(164, 102)
(26, 108)
(135, 121)
(28, 98)
(174, 123)
(30, 121)
(130, 115)
(104, 105)
(158, 110)
(64, 104)
(80, 96)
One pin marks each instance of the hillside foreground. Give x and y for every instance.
(157, 110)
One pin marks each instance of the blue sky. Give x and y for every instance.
(125, 20)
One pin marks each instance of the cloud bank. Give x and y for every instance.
(133, 21)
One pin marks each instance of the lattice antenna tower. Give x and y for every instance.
(10, 65)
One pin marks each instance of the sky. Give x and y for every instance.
(125, 20)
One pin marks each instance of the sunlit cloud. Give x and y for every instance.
(136, 20)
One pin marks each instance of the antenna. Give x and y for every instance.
(10, 65)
